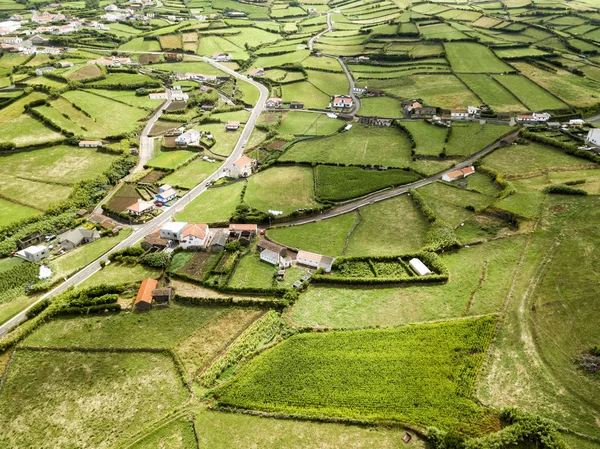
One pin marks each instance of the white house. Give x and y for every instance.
(158, 96)
(534, 117)
(458, 174)
(11, 40)
(459, 114)
(194, 235)
(273, 102)
(90, 143)
(166, 195)
(188, 137)
(259, 71)
(342, 101)
(359, 90)
(270, 256)
(221, 57)
(10, 26)
(419, 267)
(180, 96)
(593, 137)
(242, 168)
(576, 122)
(173, 230)
(34, 253)
(473, 110)
(140, 207)
(315, 260)
(232, 125)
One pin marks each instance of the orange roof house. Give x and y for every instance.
(143, 301)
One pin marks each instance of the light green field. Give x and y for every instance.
(471, 57)
(279, 60)
(120, 274)
(252, 272)
(217, 204)
(171, 159)
(313, 62)
(330, 83)
(529, 93)
(381, 107)
(308, 124)
(191, 174)
(429, 138)
(492, 93)
(12, 212)
(129, 97)
(175, 435)
(468, 138)
(284, 189)
(224, 140)
(306, 93)
(139, 44)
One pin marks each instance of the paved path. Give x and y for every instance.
(142, 231)
(312, 40)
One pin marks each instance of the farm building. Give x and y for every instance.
(232, 125)
(221, 57)
(534, 117)
(140, 208)
(419, 267)
(162, 295)
(180, 96)
(243, 167)
(90, 143)
(154, 241)
(342, 101)
(459, 114)
(270, 257)
(272, 253)
(42, 70)
(194, 236)
(252, 228)
(166, 195)
(257, 72)
(158, 96)
(576, 122)
(173, 230)
(65, 64)
(273, 102)
(188, 137)
(29, 240)
(143, 300)
(296, 105)
(34, 253)
(219, 240)
(315, 260)
(593, 137)
(75, 237)
(458, 174)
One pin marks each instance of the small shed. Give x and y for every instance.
(419, 267)
(143, 300)
(162, 295)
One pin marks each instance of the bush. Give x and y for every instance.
(37, 308)
(131, 251)
(156, 260)
(562, 189)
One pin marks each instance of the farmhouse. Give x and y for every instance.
(459, 114)
(34, 253)
(194, 236)
(158, 96)
(11, 40)
(593, 136)
(315, 260)
(42, 70)
(458, 174)
(221, 57)
(342, 101)
(419, 267)
(534, 117)
(273, 102)
(173, 230)
(164, 196)
(243, 167)
(232, 125)
(140, 208)
(143, 300)
(257, 72)
(90, 143)
(75, 237)
(188, 137)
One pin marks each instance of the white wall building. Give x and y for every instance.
(173, 230)
(593, 137)
(194, 236)
(419, 267)
(34, 253)
(188, 137)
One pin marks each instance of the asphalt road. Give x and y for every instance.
(143, 230)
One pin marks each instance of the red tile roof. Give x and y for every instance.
(145, 291)
(243, 227)
(197, 230)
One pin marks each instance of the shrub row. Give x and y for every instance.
(440, 235)
(277, 304)
(253, 291)
(569, 148)
(563, 189)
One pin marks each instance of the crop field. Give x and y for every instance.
(342, 183)
(492, 93)
(361, 146)
(217, 204)
(462, 295)
(342, 385)
(170, 42)
(470, 57)
(43, 392)
(308, 124)
(381, 107)
(445, 91)
(190, 175)
(529, 93)
(172, 159)
(517, 159)
(468, 138)
(283, 189)
(306, 93)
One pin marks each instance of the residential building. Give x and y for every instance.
(458, 174)
(256, 72)
(359, 90)
(194, 236)
(315, 260)
(47, 17)
(111, 8)
(242, 168)
(11, 40)
(154, 241)
(577, 122)
(90, 143)
(143, 300)
(42, 70)
(473, 110)
(75, 237)
(29, 240)
(253, 228)
(459, 114)
(189, 137)
(140, 208)
(273, 102)
(158, 96)
(221, 57)
(180, 96)
(533, 117)
(34, 253)
(111, 62)
(419, 267)
(166, 195)
(271, 252)
(270, 257)
(593, 136)
(9, 26)
(232, 125)
(342, 101)
(173, 230)
(38, 40)
(164, 188)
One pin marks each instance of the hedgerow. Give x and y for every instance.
(564, 189)
(440, 235)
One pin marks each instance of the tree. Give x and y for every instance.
(92, 4)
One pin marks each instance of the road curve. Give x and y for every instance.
(143, 230)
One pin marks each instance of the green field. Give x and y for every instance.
(252, 272)
(381, 107)
(330, 83)
(215, 205)
(470, 57)
(529, 93)
(314, 374)
(342, 183)
(492, 93)
(428, 138)
(13, 212)
(468, 138)
(361, 145)
(308, 124)
(190, 175)
(172, 159)
(281, 188)
(44, 392)
(305, 92)
(120, 274)
(175, 435)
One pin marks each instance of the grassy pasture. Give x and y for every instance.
(128, 97)
(12, 212)
(361, 145)
(44, 392)
(308, 124)
(191, 174)
(176, 435)
(252, 272)
(306, 93)
(171, 159)
(83, 73)
(324, 63)
(429, 138)
(492, 93)
(471, 57)
(381, 378)
(342, 183)
(281, 188)
(468, 138)
(529, 93)
(33, 194)
(120, 274)
(215, 205)
(330, 83)
(224, 140)
(441, 31)
(381, 107)
(279, 60)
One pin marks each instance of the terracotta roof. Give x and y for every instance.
(196, 230)
(455, 174)
(242, 162)
(343, 99)
(145, 291)
(243, 227)
(140, 205)
(468, 170)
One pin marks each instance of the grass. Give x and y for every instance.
(444, 91)
(361, 145)
(330, 83)
(217, 204)
(529, 93)
(13, 212)
(120, 274)
(441, 31)
(139, 44)
(176, 435)
(214, 432)
(190, 175)
(252, 272)
(468, 138)
(324, 63)
(122, 392)
(392, 226)
(171, 159)
(381, 107)
(471, 57)
(323, 237)
(342, 183)
(127, 329)
(352, 307)
(492, 93)
(129, 97)
(224, 140)
(308, 124)
(281, 188)
(517, 159)
(428, 138)
(306, 93)
(423, 375)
